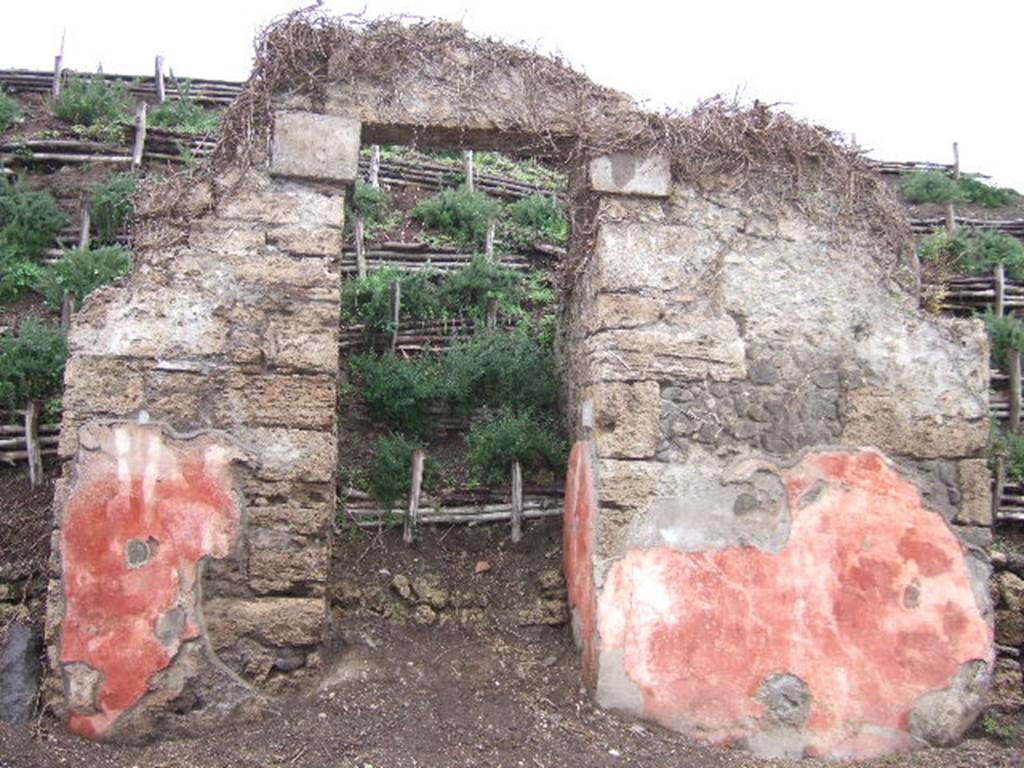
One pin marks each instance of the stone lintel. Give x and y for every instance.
(317, 147)
(631, 173)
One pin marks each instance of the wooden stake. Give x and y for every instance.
(489, 244)
(999, 273)
(1013, 361)
(67, 309)
(83, 228)
(33, 450)
(950, 213)
(161, 91)
(58, 66)
(409, 528)
(360, 229)
(517, 501)
(396, 310)
(492, 314)
(997, 494)
(374, 175)
(140, 135)
(467, 164)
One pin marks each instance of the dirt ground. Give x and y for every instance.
(489, 676)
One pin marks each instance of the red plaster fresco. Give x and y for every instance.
(576, 537)
(180, 503)
(869, 603)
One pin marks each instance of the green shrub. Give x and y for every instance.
(498, 441)
(29, 220)
(367, 299)
(462, 214)
(92, 101)
(111, 203)
(390, 476)
(183, 113)
(17, 275)
(1004, 333)
(939, 187)
(468, 290)
(10, 111)
(977, 191)
(1010, 448)
(987, 248)
(81, 272)
(931, 187)
(370, 203)
(510, 370)
(31, 364)
(538, 218)
(975, 252)
(528, 170)
(398, 392)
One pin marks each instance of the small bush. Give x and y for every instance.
(10, 111)
(29, 220)
(111, 203)
(500, 440)
(183, 113)
(31, 364)
(1010, 448)
(460, 213)
(367, 299)
(931, 187)
(390, 477)
(398, 391)
(1004, 333)
(538, 218)
(978, 192)
(79, 273)
(975, 252)
(370, 203)
(92, 101)
(467, 291)
(17, 275)
(501, 370)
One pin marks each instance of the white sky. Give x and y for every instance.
(906, 77)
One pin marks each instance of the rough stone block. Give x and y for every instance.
(708, 348)
(610, 311)
(975, 492)
(307, 241)
(627, 483)
(887, 420)
(284, 203)
(103, 385)
(300, 520)
(280, 561)
(276, 621)
(630, 173)
(291, 454)
(649, 256)
(231, 238)
(626, 419)
(311, 146)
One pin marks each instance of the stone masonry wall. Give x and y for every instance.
(225, 336)
(785, 547)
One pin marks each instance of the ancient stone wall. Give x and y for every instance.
(776, 506)
(779, 538)
(193, 521)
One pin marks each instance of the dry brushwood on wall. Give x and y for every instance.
(755, 151)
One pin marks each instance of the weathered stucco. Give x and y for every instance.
(143, 511)
(789, 494)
